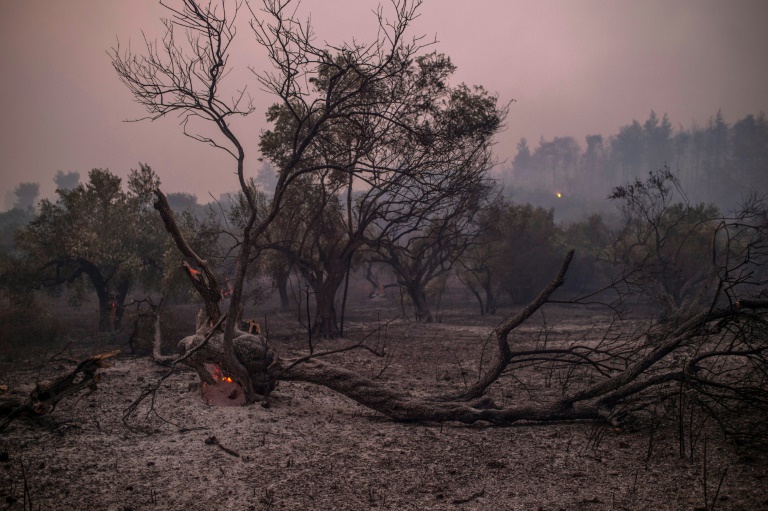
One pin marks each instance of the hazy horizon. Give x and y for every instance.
(572, 68)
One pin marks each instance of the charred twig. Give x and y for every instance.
(472, 497)
(358, 345)
(56, 356)
(27, 503)
(212, 440)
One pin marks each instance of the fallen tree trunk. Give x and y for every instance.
(716, 349)
(598, 402)
(251, 350)
(619, 381)
(265, 369)
(403, 407)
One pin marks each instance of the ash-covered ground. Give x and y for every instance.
(314, 449)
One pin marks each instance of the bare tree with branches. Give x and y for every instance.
(184, 77)
(366, 111)
(713, 349)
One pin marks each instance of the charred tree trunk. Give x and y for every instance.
(404, 407)
(106, 309)
(325, 286)
(479, 299)
(157, 340)
(252, 352)
(420, 304)
(326, 320)
(490, 294)
(468, 407)
(230, 359)
(265, 368)
(601, 400)
(122, 293)
(202, 279)
(504, 351)
(206, 285)
(106, 300)
(377, 289)
(468, 279)
(281, 283)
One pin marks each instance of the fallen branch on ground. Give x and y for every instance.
(42, 400)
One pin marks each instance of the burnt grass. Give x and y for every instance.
(314, 449)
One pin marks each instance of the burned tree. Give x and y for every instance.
(332, 99)
(427, 248)
(43, 397)
(479, 267)
(377, 116)
(311, 235)
(412, 145)
(174, 78)
(665, 248)
(713, 353)
(185, 78)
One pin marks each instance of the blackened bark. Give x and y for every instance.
(282, 288)
(121, 294)
(420, 304)
(325, 286)
(203, 279)
(404, 407)
(106, 301)
(105, 310)
(44, 397)
(326, 319)
(504, 352)
(490, 295)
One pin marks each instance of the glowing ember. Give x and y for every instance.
(224, 391)
(219, 376)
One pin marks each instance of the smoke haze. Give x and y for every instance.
(573, 69)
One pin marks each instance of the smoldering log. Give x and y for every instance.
(44, 397)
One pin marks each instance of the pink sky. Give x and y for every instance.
(574, 67)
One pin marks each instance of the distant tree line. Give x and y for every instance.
(715, 163)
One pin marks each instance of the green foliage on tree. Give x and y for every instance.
(590, 238)
(97, 236)
(514, 252)
(11, 221)
(531, 235)
(479, 265)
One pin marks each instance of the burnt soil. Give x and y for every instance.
(314, 449)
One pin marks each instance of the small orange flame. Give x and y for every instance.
(219, 376)
(224, 391)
